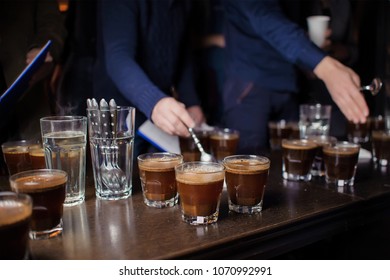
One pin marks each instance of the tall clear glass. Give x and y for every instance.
(64, 141)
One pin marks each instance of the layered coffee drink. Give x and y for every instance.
(157, 175)
(15, 216)
(298, 158)
(381, 147)
(223, 143)
(246, 177)
(47, 190)
(340, 163)
(200, 186)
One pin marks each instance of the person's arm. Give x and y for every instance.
(49, 26)
(268, 21)
(119, 28)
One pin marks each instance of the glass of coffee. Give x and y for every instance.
(200, 187)
(15, 216)
(381, 147)
(37, 157)
(278, 130)
(298, 158)
(246, 177)
(223, 142)
(318, 168)
(377, 123)
(188, 148)
(47, 190)
(157, 174)
(16, 155)
(340, 163)
(358, 132)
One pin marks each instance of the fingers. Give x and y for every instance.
(172, 117)
(343, 85)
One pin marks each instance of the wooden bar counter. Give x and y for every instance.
(295, 215)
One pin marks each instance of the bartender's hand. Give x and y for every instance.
(34, 52)
(343, 85)
(171, 116)
(196, 114)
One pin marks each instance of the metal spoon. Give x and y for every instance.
(203, 155)
(374, 87)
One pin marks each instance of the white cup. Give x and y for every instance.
(317, 26)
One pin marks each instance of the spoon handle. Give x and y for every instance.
(196, 140)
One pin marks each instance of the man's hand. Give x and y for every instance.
(343, 85)
(172, 117)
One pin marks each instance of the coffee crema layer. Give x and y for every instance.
(39, 182)
(13, 211)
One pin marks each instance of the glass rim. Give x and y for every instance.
(35, 171)
(261, 160)
(342, 146)
(181, 167)
(305, 142)
(147, 156)
(22, 142)
(24, 196)
(63, 118)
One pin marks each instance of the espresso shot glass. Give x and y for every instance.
(318, 168)
(358, 132)
(200, 187)
(15, 217)
(223, 142)
(246, 178)
(297, 159)
(381, 147)
(157, 175)
(278, 130)
(46, 187)
(340, 163)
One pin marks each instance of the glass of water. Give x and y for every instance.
(314, 119)
(64, 142)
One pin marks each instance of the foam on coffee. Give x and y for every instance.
(13, 211)
(199, 175)
(220, 136)
(39, 182)
(299, 145)
(159, 164)
(343, 150)
(248, 166)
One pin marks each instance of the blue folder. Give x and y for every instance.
(11, 96)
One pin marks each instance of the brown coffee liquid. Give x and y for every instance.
(246, 184)
(199, 199)
(14, 228)
(341, 164)
(223, 145)
(37, 158)
(158, 179)
(48, 194)
(298, 158)
(381, 144)
(17, 159)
